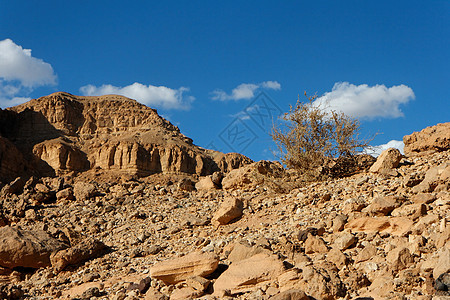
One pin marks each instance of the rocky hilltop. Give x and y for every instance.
(252, 231)
(62, 134)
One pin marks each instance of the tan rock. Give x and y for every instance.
(291, 295)
(241, 252)
(88, 248)
(26, 248)
(345, 241)
(399, 258)
(381, 206)
(185, 293)
(61, 156)
(425, 198)
(205, 183)
(178, 269)
(433, 138)
(154, 294)
(366, 253)
(443, 262)
(244, 275)
(337, 257)
(229, 210)
(83, 190)
(315, 244)
(388, 160)
(392, 225)
(253, 174)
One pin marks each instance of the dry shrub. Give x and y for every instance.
(318, 142)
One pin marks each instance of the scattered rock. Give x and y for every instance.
(230, 209)
(389, 159)
(179, 269)
(26, 248)
(244, 275)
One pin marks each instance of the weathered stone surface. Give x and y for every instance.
(182, 268)
(86, 249)
(83, 190)
(381, 206)
(393, 225)
(229, 210)
(253, 174)
(433, 138)
(112, 134)
(388, 160)
(205, 183)
(246, 274)
(345, 241)
(291, 295)
(315, 244)
(399, 258)
(26, 248)
(61, 156)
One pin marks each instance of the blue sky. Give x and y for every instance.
(222, 70)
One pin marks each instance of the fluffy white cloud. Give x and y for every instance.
(20, 73)
(153, 96)
(376, 150)
(363, 101)
(244, 91)
(17, 63)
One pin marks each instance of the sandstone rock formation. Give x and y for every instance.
(433, 138)
(62, 133)
(26, 248)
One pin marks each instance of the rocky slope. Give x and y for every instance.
(257, 232)
(65, 134)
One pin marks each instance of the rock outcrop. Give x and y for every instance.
(62, 134)
(433, 138)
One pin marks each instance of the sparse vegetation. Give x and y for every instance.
(316, 141)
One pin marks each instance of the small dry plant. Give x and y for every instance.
(316, 141)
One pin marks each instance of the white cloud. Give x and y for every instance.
(20, 73)
(244, 91)
(150, 95)
(363, 101)
(376, 150)
(17, 63)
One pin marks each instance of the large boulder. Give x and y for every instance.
(433, 138)
(179, 269)
(26, 248)
(388, 160)
(245, 274)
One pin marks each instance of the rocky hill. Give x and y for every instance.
(62, 134)
(253, 232)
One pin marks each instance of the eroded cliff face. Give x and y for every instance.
(62, 133)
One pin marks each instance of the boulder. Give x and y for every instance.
(392, 225)
(315, 244)
(345, 241)
(26, 248)
(83, 190)
(389, 159)
(253, 174)
(244, 275)
(229, 210)
(178, 269)
(86, 249)
(205, 183)
(382, 206)
(399, 258)
(433, 138)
